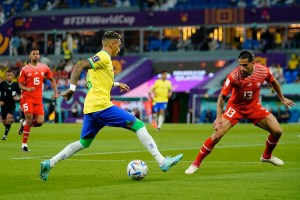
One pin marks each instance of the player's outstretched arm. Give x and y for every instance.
(285, 101)
(124, 87)
(84, 65)
(220, 106)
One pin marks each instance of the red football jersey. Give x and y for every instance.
(245, 91)
(32, 76)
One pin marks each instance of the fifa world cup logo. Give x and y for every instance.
(4, 42)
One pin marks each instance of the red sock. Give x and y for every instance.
(26, 132)
(270, 145)
(207, 147)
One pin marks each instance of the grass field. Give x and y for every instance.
(231, 171)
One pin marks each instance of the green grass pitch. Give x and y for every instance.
(232, 171)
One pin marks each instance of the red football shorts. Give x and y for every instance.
(35, 109)
(255, 114)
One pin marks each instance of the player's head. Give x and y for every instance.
(9, 75)
(246, 63)
(34, 55)
(164, 75)
(111, 42)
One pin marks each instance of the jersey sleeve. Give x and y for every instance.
(21, 78)
(48, 73)
(269, 77)
(97, 61)
(227, 87)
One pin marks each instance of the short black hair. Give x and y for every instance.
(164, 71)
(33, 49)
(247, 54)
(10, 71)
(109, 35)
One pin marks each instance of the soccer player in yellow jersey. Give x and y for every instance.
(162, 91)
(99, 111)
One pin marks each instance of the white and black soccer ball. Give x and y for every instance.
(137, 170)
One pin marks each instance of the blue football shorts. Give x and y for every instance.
(160, 106)
(112, 116)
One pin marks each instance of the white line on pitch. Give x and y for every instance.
(137, 151)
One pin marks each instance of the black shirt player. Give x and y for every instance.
(10, 92)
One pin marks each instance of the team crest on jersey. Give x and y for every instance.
(95, 59)
(30, 74)
(258, 85)
(42, 73)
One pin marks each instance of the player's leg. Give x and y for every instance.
(118, 117)
(3, 115)
(270, 124)
(26, 130)
(209, 144)
(154, 116)
(230, 117)
(4, 124)
(161, 115)
(7, 123)
(39, 114)
(38, 120)
(90, 128)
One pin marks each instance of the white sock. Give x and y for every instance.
(161, 119)
(68, 151)
(150, 144)
(24, 145)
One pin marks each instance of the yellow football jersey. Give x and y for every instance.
(161, 90)
(99, 80)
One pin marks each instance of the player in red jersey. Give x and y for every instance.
(244, 83)
(31, 81)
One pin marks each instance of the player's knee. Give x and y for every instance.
(278, 131)
(86, 142)
(138, 124)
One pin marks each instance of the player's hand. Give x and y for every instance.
(55, 96)
(217, 123)
(287, 102)
(124, 87)
(1, 103)
(30, 89)
(67, 95)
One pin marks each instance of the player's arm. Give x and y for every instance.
(170, 92)
(23, 87)
(123, 87)
(220, 105)
(287, 102)
(53, 85)
(84, 65)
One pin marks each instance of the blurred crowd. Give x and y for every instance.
(9, 8)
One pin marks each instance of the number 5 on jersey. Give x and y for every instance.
(36, 81)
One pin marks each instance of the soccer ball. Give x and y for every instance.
(137, 170)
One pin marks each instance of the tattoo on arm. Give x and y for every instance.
(84, 65)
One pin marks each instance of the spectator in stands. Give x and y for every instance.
(45, 60)
(267, 40)
(283, 115)
(277, 72)
(293, 63)
(57, 49)
(208, 116)
(76, 109)
(2, 15)
(14, 45)
(70, 42)
(242, 4)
